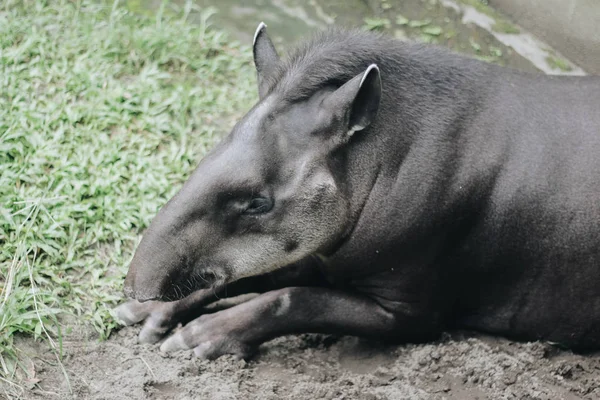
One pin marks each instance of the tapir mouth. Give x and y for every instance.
(206, 279)
(172, 286)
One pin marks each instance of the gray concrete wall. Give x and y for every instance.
(571, 26)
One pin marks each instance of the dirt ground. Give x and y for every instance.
(461, 365)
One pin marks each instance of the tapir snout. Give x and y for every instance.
(144, 280)
(163, 266)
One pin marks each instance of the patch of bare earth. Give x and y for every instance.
(458, 366)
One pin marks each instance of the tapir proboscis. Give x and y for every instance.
(387, 190)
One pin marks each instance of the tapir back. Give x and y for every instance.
(535, 249)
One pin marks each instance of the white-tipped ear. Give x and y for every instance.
(357, 101)
(367, 100)
(266, 58)
(260, 27)
(367, 72)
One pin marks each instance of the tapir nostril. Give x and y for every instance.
(128, 290)
(140, 295)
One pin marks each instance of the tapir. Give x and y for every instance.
(386, 190)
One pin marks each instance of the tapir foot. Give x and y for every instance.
(211, 336)
(162, 317)
(214, 335)
(158, 318)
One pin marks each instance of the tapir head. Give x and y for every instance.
(267, 195)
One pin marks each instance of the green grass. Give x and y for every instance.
(558, 63)
(503, 26)
(376, 24)
(103, 113)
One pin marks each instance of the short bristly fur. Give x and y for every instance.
(334, 56)
(388, 190)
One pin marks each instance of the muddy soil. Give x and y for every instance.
(461, 365)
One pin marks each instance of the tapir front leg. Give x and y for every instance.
(161, 317)
(241, 329)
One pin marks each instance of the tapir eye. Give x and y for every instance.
(259, 205)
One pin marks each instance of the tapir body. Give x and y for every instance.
(387, 190)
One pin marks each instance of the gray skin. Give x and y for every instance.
(386, 190)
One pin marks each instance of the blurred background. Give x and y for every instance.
(554, 36)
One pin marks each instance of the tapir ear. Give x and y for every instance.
(356, 103)
(265, 57)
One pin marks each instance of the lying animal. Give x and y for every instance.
(387, 190)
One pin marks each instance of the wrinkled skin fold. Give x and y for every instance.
(386, 190)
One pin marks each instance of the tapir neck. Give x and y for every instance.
(423, 112)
